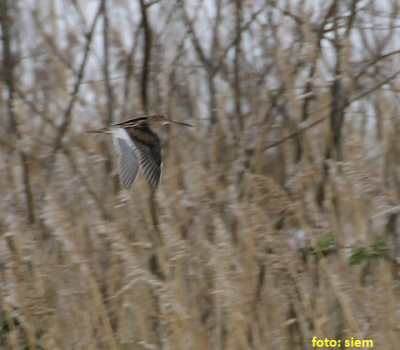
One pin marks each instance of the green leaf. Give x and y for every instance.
(326, 242)
(379, 247)
(326, 245)
(358, 255)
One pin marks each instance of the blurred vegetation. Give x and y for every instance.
(277, 215)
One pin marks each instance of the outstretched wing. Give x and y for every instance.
(128, 157)
(149, 146)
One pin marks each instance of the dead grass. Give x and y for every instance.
(244, 245)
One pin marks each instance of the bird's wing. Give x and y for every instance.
(128, 157)
(149, 146)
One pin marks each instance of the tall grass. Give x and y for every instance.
(277, 215)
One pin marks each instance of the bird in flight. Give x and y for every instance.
(138, 146)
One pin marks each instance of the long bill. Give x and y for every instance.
(179, 123)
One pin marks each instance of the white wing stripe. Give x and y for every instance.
(128, 157)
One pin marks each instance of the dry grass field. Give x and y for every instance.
(277, 217)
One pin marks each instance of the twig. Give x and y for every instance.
(146, 58)
(9, 64)
(67, 114)
(67, 153)
(320, 120)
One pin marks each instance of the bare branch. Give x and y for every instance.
(9, 64)
(320, 120)
(146, 58)
(67, 114)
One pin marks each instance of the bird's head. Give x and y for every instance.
(156, 120)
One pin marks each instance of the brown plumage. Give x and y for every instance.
(138, 147)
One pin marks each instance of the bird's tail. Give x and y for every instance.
(99, 131)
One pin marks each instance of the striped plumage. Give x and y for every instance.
(138, 147)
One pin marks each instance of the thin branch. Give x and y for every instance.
(9, 65)
(108, 88)
(195, 41)
(67, 114)
(235, 38)
(236, 65)
(109, 95)
(66, 151)
(320, 120)
(53, 47)
(351, 18)
(129, 70)
(146, 57)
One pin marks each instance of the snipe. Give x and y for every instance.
(138, 146)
